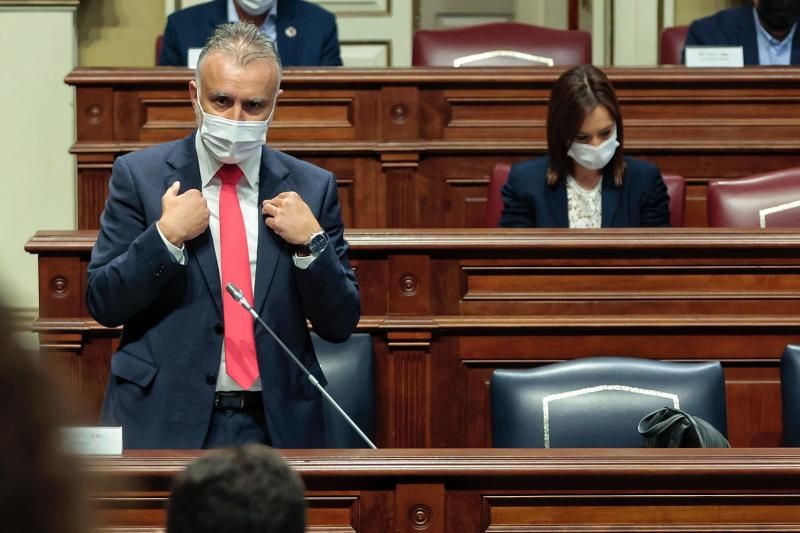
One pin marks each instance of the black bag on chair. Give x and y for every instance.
(672, 428)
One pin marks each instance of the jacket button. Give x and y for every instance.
(219, 329)
(211, 379)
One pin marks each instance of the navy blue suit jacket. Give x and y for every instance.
(315, 42)
(734, 27)
(528, 202)
(163, 375)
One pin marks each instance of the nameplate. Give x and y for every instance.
(714, 56)
(93, 440)
(192, 57)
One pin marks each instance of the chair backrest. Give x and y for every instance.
(159, 45)
(790, 394)
(676, 187)
(597, 402)
(770, 200)
(501, 44)
(672, 41)
(494, 200)
(350, 369)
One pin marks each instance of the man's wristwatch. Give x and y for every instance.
(316, 243)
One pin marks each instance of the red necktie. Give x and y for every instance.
(240, 344)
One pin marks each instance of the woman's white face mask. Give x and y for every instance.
(594, 157)
(232, 141)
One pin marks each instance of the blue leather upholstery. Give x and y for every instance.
(350, 369)
(790, 394)
(597, 402)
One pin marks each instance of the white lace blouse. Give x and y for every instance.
(584, 206)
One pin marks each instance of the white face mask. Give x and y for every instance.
(255, 7)
(594, 157)
(232, 141)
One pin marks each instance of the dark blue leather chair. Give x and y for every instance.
(790, 394)
(597, 402)
(350, 369)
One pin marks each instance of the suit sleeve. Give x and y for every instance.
(518, 212)
(330, 55)
(170, 47)
(130, 264)
(655, 208)
(328, 288)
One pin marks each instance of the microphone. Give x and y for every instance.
(238, 295)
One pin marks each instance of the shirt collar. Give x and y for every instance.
(210, 166)
(765, 34)
(233, 15)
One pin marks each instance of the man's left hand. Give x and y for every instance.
(290, 217)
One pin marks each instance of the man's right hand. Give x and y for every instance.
(183, 216)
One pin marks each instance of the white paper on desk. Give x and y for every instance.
(714, 56)
(192, 56)
(93, 440)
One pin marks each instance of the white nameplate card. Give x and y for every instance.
(714, 56)
(93, 440)
(192, 56)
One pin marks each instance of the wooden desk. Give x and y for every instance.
(413, 148)
(447, 307)
(465, 491)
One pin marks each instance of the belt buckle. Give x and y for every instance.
(241, 401)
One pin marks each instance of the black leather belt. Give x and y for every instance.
(238, 400)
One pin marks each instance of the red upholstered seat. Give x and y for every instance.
(501, 44)
(770, 200)
(676, 187)
(672, 40)
(494, 201)
(159, 45)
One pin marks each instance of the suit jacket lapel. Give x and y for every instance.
(287, 43)
(749, 40)
(271, 182)
(201, 248)
(609, 200)
(557, 198)
(795, 57)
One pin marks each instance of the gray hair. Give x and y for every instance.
(243, 42)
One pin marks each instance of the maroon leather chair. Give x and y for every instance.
(676, 188)
(159, 45)
(770, 200)
(501, 44)
(672, 41)
(494, 201)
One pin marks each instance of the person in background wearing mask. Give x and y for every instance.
(304, 33)
(184, 219)
(766, 31)
(585, 181)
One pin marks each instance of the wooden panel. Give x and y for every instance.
(447, 307)
(457, 491)
(426, 139)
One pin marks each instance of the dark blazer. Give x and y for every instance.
(528, 202)
(734, 27)
(315, 41)
(163, 375)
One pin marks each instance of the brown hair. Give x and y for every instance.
(575, 95)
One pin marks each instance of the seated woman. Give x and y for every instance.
(585, 181)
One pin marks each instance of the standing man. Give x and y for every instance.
(304, 33)
(766, 31)
(182, 220)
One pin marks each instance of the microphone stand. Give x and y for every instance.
(238, 295)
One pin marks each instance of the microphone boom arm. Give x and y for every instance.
(238, 295)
